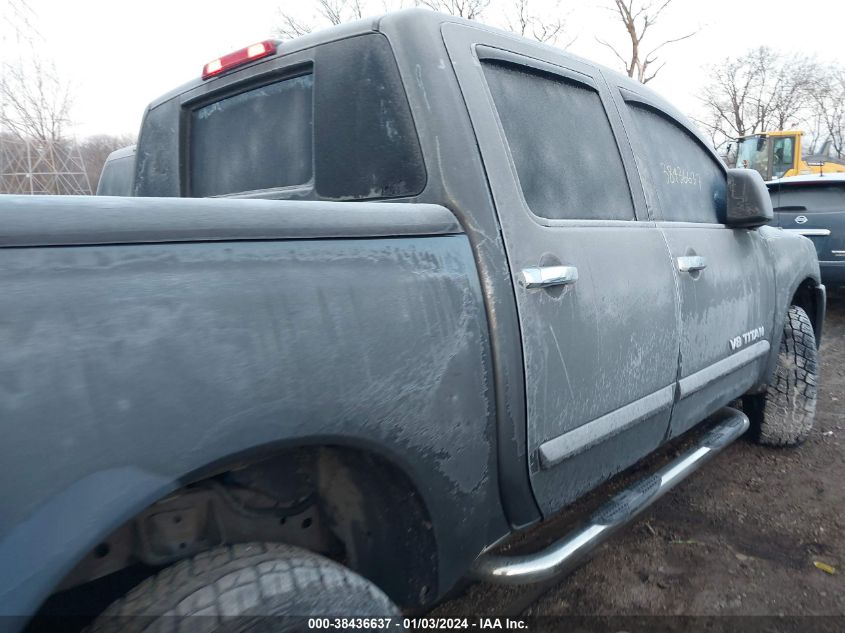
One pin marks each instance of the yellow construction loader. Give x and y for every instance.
(779, 155)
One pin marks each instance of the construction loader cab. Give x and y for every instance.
(779, 155)
(770, 155)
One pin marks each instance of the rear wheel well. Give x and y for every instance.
(348, 504)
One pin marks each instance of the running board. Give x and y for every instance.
(562, 556)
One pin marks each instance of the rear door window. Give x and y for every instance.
(258, 139)
(681, 177)
(561, 143)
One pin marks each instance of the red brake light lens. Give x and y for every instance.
(238, 58)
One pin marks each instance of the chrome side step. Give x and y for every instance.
(562, 556)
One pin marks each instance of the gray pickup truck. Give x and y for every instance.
(814, 206)
(450, 280)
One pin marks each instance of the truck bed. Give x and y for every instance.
(145, 339)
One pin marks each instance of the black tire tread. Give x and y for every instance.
(232, 580)
(789, 407)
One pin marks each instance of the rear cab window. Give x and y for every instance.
(331, 122)
(257, 139)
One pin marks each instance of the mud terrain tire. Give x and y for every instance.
(784, 414)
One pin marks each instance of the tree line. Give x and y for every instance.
(758, 91)
(639, 49)
(765, 90)
(37, 150)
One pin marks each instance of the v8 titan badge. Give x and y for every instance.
(747, 337)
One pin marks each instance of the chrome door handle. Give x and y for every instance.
(547, 276)
(691, 263)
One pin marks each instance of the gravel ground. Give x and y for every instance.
(743, 536)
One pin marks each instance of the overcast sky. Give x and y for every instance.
(121, 54)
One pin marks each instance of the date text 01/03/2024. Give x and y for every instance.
(428, 624)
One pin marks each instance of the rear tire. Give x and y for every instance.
(241, 588)
(784, 414)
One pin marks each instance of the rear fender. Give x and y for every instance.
(131, 369)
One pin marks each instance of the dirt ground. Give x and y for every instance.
(740, 537)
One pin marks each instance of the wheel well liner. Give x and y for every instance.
(806, 297)
(370, 505)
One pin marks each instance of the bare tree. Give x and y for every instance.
(729, 100)
(469, 9)
(791, 92)
(337, 11)
(548, 26)
(759, 91)
(96, 149)
(520, 16)
(322, 13)
(34, 101)
(828, 95)
(292, 27)
(639, 17)
(37, 154)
